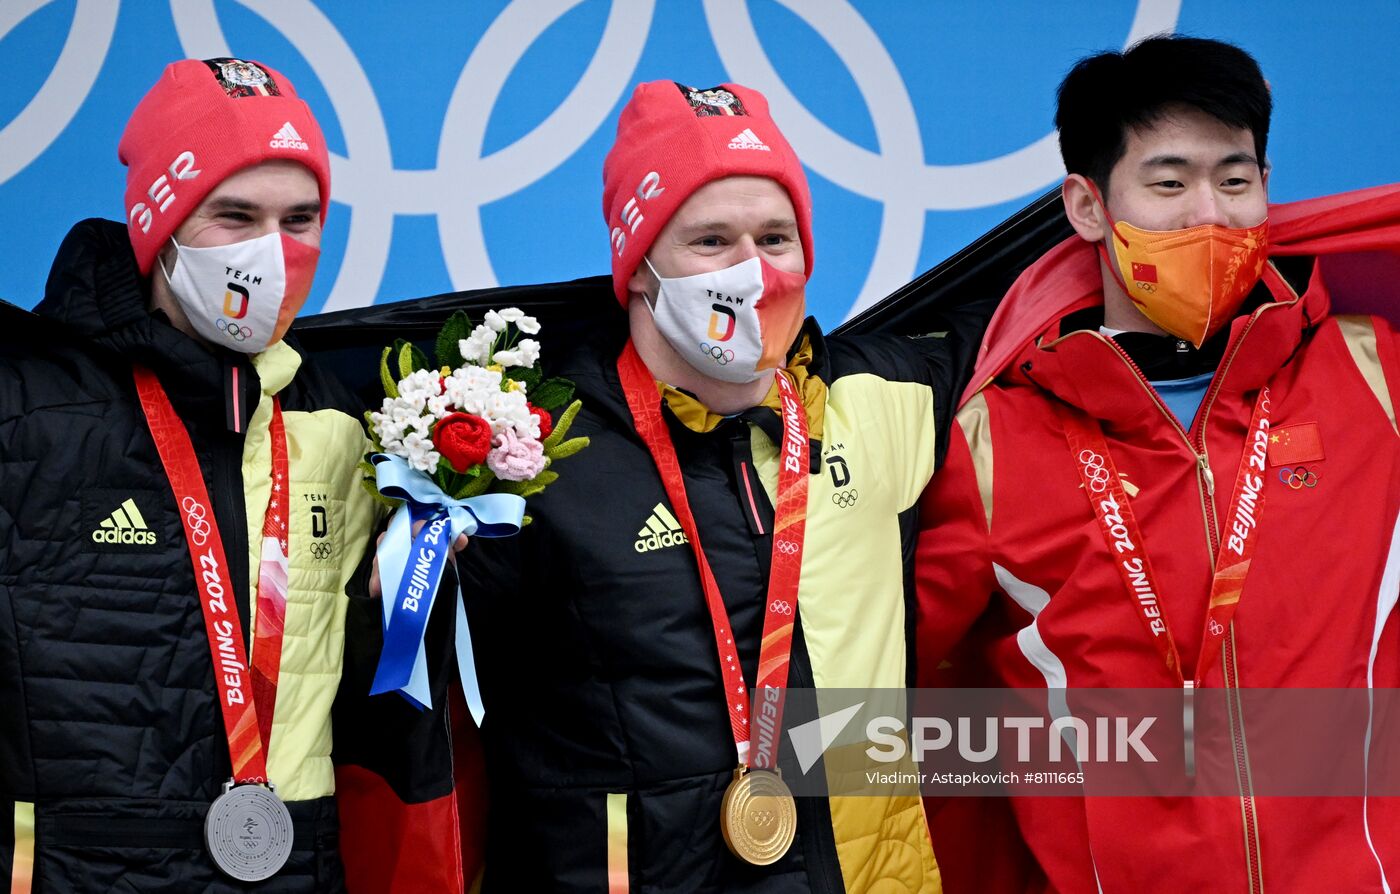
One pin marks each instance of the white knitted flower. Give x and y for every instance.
(422, 425)
(509, 409)
(390, 433)
(528, 325)
(476, 348)
(471, 386)
(438, 406)
(419, 452)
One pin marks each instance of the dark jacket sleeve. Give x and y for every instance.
(16, 761)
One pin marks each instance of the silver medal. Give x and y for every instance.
(248, 832)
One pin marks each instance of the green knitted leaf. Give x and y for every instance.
(530, 375)
(457, 327)
(566, 449)
(561, 427)
(386, 378)
(551, 394)
(475, 486)
(531, 487)
(410, 357)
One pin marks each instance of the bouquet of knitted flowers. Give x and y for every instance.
(479, 419)
(458, 446)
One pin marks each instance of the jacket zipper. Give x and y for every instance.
(1249, 815)
(1228, 659)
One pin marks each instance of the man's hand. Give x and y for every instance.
(376, 589)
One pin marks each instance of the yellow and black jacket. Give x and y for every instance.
(607, 740)
(111, 741)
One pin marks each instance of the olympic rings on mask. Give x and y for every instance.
(718, 354)
(845, 498)
(1094, 470)
(195, 520)
(779, 606)
(787, 547)
(1299, 477)
(234, 331)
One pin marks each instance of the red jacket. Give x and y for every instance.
(1017, 586)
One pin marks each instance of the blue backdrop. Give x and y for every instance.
(468, 137)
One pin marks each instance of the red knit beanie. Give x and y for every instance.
(672, 140)
(202, 122)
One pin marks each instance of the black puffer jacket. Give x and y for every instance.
(110, 732)
(607, 737)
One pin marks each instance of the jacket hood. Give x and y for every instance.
(96, 291)
(1355, 236)
(96, 295)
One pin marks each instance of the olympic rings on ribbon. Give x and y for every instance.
(716, 353)
(194, 517)
(780, 606)
(1299, 477)
(1094, 470)
(234, 331)
(845, 498)
(787, 547)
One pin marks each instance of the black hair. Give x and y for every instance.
(1106, 95)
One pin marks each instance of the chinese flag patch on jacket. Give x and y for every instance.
(1290, 444)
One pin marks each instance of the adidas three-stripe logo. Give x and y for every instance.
(747, 139)
(125, 525)
(660, 531)
(288, 138)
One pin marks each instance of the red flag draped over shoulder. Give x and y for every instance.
(1355, 236)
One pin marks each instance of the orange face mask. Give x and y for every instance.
(1190, 282)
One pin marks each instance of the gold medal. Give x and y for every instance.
(758, 816)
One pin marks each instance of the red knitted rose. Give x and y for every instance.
(463, 440)
(546, 421)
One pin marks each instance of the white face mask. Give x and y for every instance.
(243, 296)
(734, 324)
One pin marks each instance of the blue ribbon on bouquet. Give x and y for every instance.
(410, 568)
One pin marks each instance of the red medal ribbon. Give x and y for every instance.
(1120, 530)
(790, 526)
(240, 690)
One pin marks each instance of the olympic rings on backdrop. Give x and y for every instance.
(467, 176)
